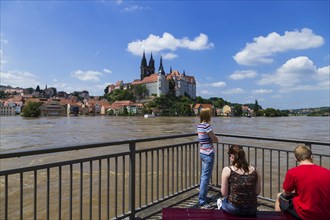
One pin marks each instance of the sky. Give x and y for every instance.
(275, 52)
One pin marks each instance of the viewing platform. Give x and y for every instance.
(137, 178)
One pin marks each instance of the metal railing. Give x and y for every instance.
(119, 179)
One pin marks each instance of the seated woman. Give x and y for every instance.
(240, 184)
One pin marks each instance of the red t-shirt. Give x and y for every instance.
(311, 184)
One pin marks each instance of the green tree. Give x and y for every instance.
(139, 91)
(38, 88)
(238, 110)
(32, 109)
(256, 108)
(30, 90)
(270, 112)
(171, 86)
(3, 95)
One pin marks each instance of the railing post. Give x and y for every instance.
(132, 180)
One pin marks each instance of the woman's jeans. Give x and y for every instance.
(240, 211)
(207, 167)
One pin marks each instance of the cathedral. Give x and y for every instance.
(158, 82)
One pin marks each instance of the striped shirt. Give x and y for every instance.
(206, 144)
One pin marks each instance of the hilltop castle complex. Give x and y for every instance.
(158, 83)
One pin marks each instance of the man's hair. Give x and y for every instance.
(205, 115)
(301, 152)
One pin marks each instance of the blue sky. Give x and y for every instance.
(274, 51)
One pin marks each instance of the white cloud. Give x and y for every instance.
(103, 85)
(19, 79)
(214, 84)
(169, 56)
(3, 59)
(157, 44)
(107, 70)
(133, 8)
(323, 73)
(293, 72)
(237, 75)
(262, 91)
(87, 76)
(2, 39)
(206, 92)
(261, 50)
(119, 2)
(233, 91)
(218, 84)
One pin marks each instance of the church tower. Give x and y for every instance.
(147, 70)
(143, 67)
(151, 67)
(161, 68)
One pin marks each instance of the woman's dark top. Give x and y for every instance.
(242, 189)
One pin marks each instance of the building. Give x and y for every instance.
(119, 107)
(228, 111)
(53, 107)
(160, 83)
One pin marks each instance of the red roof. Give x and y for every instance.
(149, 79)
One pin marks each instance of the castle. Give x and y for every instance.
(159, 83)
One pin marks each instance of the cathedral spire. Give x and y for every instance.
(151, 66)
(143, 67)
(161, 68)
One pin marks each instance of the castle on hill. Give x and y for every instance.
(158, 83)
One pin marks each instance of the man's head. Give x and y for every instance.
(301, 152)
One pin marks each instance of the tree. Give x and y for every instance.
(256, 108)
(32, 109)
(238, 110)
(139, 91)
(30, 90)
(171, 86)
(3, 95)
(38, 88)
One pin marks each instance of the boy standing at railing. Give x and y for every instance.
(206, 138)
(306, 188)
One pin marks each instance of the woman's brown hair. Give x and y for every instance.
(239, 157)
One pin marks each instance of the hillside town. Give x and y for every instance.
(152, 87)
(81, 103)
(157, 84)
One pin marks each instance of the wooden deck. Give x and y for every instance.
(189, 200)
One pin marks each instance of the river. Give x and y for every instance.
(18, 133)
(30, 133)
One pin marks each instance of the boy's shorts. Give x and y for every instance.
(286, 205)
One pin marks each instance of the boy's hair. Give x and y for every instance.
(301, 152)
(205, 115)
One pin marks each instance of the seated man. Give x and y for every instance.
(306, 188)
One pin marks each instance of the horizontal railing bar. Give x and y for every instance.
(21, 153)
(47, 150)
(122, 142)
(62, 163)
(276, 139)
(165, 147)
(271, 148)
